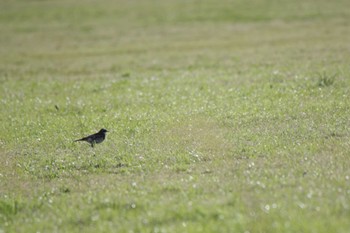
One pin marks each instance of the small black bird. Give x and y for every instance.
(94, 138)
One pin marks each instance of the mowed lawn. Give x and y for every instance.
(224, 116)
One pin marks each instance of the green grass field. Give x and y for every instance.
(224, 116)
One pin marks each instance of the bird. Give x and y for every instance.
(94, 138)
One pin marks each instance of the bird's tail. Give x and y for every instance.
(78, 140)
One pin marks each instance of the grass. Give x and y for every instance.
(229, 116)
